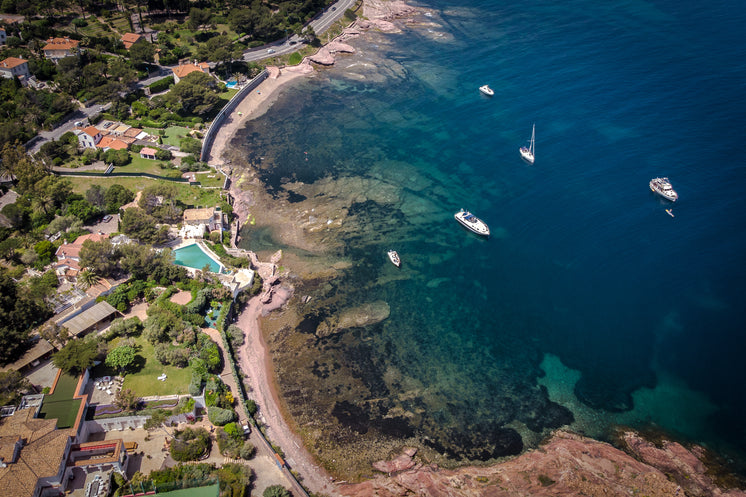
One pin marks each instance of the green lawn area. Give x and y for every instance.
(173, 135)
(191, 196)
(210, 179)
(140, 165)
(61, 405)
(144, 380)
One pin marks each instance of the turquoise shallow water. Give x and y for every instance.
(589, 305)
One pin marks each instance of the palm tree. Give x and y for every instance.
(88, 278)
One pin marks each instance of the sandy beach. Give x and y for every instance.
(254, 105)
(256, 363)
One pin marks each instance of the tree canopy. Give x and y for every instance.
(76, 356)
(121, 357)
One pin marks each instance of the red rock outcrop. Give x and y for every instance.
(567, 465)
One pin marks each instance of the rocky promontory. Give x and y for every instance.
(566, 465)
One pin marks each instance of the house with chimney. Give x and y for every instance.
(67, 266)
(89, 136)
(59, 48)
(184, 69)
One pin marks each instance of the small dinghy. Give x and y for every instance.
(394, 258)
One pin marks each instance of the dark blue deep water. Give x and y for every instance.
(589, 305)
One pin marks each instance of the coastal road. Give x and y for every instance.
(320, 24)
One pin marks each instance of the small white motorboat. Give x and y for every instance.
(472, 222)
(486, 90)
(663, 187)
(394, 258)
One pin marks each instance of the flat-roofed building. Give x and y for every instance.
(96, 318)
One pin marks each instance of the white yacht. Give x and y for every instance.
(472, 222)
(663, 187)
(486, 90)
(527, 154)
(394, 258)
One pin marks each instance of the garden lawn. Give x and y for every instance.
(173, 135)
(145, 381)
(140, 165)
(191, 196)
(61, 405)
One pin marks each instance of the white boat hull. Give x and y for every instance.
(663, 187)
(486, 90)
(526, 155)
(472, 223)
(394, 258)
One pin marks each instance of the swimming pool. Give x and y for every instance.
(231, 84)
(194, 257)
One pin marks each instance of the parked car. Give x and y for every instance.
(246, 429)
(106, 218)
(270, 50)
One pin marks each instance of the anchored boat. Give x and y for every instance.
(472, 222)
(486, 90)
(663, 187)
(394, 258)
(527, 154)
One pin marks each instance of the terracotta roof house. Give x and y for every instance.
(130, 39)
(13, 67)
(108, 142)
(89, 136)
(184, 69)
(148, 153)
(72, 250)
(38, 459)
(34, 453)
(59, 48)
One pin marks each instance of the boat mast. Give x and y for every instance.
(533, 131)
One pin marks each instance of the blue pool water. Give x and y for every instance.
(231, 84)
(194, 257)
(589, 306)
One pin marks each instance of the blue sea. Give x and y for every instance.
(589, 306)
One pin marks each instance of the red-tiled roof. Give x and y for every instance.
(73, 249)
(130, 39)
(91, 131)
(12, 62)
(61, 44)
(110, 142)
(183, 70)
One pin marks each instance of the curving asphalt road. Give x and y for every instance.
(320, 24)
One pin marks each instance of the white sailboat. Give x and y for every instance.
(527, 154)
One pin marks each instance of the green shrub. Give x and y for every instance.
(248, 451)
(195, 386)
(219, 416)
(189, 444)
(161, 85)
